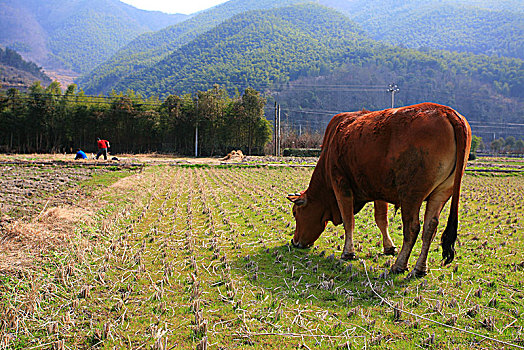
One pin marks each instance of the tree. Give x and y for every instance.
(54, 121)
(13, 115)
(496, 145)
(211, 107)
(36, 116)
(509, 143)
(519, 146)
(476, 142)
(253, 107)
(45, 120)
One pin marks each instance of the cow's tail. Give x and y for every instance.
(463, 141)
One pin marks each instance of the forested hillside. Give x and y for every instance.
(260, 48)
(477, 26)
(309, 103)
(277, 49)
(74, 34)
(313, 60)
(149, 48)
(17, 72)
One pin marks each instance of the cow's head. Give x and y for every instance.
(311, 219)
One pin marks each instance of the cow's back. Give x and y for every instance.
(394, 154)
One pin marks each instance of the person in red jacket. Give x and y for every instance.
(103, 145)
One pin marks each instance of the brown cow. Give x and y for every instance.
(402, 156)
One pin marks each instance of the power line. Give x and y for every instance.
(494, 123)
(107, 100)
(312, 111)
(79, 100)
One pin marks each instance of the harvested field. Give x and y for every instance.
(26, 190)
(198, 257)
(23, 243)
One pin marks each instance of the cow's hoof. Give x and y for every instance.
(398, 270)
(417, 273)
(390, 251)
(348, 256)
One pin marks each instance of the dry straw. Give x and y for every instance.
(487, 323)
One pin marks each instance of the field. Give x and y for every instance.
(197, 256)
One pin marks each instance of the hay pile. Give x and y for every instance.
(21, 243)
(236, 156)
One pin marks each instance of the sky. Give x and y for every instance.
(174, 6)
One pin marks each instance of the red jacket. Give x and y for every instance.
(102, 144)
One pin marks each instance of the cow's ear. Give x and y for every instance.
(297, 198)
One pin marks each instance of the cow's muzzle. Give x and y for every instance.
(298, 245)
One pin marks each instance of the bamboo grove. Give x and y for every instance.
(49, 120)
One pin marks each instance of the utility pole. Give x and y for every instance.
(392, 89)
(196, 129)
(196, 141)
(279, 133)
(275, 126)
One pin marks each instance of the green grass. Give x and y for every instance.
(105, 179)
(200, 254)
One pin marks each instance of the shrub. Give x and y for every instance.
(301, 152)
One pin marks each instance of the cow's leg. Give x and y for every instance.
(381, 219)
(344, 197)
(411, 228)
(436, 202)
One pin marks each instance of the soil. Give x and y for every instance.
(39, 208)
(27, 190)
(136, 160)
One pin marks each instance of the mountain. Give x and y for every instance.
(17, 72)
(306, 55)
(149, 48)
(315, 62)
(477, 26)
(74, 34)
(259, 48)
(482, 26)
